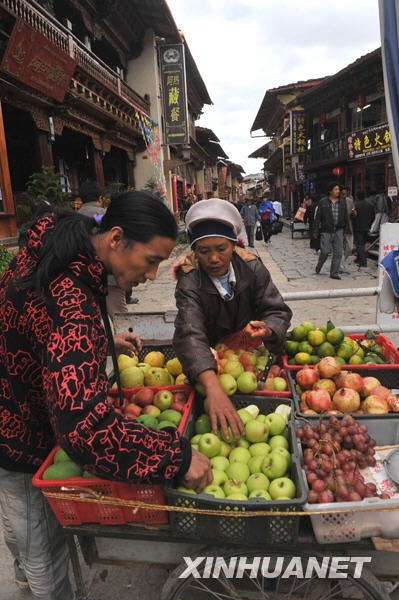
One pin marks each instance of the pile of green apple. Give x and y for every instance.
(239, 370)
(254, 466)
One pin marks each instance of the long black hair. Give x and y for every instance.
(140, 215)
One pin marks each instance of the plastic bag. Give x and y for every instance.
(239, 340)
(258, 233)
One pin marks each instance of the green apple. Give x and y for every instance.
(200, 389)
(247, 382)
(186, 490)
(255, 464)
(132, 377)
(220, 463)
(235, 487)
(276, 423)
(214, 490)
(284, 452)
(230, 355)
(279, 384)
(278, 441)
(209, 444)
(203, 424)
(274, 466)
(261, 362)
(152, 410)
(259, 449)
(286, 433)
(195, 446)
(234, 368)
(282, 488)
(163, 400)
(219, 477)
(196, 438)
(238, 471)
(228, 383)
(242, 443)
(260, 494)
(239, 455)
(257, 481)
(225, 449)
(237, 496)
(261, 418)
(255, 431)
(231, 437)
(171, 415)
(244, 415)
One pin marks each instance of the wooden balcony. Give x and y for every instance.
(326, 153)
(87, 62)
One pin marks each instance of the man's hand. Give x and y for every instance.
(221, 411)
(199, 473)
(127, 343)
(258, 329)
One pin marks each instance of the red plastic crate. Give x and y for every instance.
(390, 353)
(73, 512)
(128, 392)
(271, 393)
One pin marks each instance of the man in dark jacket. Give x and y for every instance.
(250, 215)
(363, 219)
(331, 223)
(221, 289)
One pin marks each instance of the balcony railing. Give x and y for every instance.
(62, 37)
(332, 150)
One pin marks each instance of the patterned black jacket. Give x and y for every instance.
(53, 382)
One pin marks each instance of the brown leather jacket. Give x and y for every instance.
(204, 318)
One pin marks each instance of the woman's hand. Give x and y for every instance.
(199, 473)
(258, 329)
(127, 343)
(221, 411)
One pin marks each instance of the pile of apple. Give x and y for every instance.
(326, 388)
(154, 409)
(239, 370)
(333, 453)
(152, 371)
(254, 466)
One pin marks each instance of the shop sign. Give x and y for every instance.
(369, 142)
(287, 158)
(208, 180)
(32, 59)
(174, 94)
(300, 172)
(298, 132)
(392, 191)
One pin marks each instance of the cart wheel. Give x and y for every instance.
(220, 587)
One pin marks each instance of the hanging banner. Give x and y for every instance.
(222, 182)
(208, 180)
(287, 158)
(300, 172)
(369, 142)
(149, 131)
(174, 94)
(298, 132)
(31, 58)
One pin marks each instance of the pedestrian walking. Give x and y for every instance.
(331, 223)
(363, 217)
(350, 207)
(266, 212)
(382, 209)
(309, 217)
(250, 216)
(278, 210)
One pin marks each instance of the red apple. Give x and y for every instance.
(318, 400)
(368, 384)
(178, 405)
(375, 405)
(250, 368)
(269, 384)
(274, 371)
(179, 397)
(143, 396)
(346, 400)
(306, 378)
(328, 367)
(152, 410)
(132, 410)
(353, 381)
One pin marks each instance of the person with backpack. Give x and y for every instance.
(266, 211)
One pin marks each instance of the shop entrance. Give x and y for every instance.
(375, 177)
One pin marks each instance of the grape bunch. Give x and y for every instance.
(334, 453)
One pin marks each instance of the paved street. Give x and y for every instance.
(291, 263)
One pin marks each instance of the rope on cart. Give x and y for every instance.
(236, 511)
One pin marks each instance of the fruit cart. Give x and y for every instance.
(198, 531)
(300, 227)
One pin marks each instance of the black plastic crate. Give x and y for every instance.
(388, 378)
(166, 349)
(278, 530)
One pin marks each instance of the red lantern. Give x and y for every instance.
(361, 100)
(338, 171)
